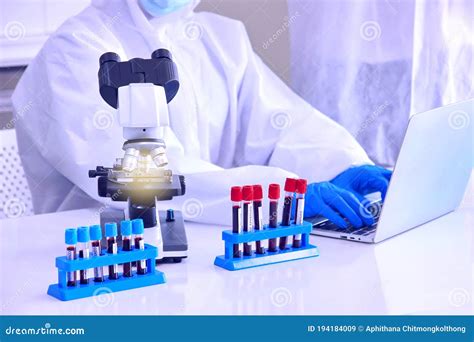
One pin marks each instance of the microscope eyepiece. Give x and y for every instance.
(161, 53)
(109, 57)
(159, 70)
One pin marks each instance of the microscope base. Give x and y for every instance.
(173, 233)
(168, 237)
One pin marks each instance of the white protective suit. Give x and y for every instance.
(233, 121)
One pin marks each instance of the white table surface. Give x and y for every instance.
(428, 270)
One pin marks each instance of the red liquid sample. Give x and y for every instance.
(286, 219)
(71, 251)
(141, 264)
(236, 229)
(273, 223)
(112, 249)
(98, 276)
(127, 267)
(83, 273)
(247, 246)
(257, 205)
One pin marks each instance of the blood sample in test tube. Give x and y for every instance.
(83, 237)
(111, 235)
(247, 196)
(257, 215)
(138, 230)
(290, 188)
(274, 197)
(96, 236)
(301, 185)
(71, 242)
(126, 232)
(236, 198)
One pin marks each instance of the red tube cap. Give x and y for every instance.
(257, 192)
(236, 194)
(247, 193)
(301, 186)
(290, 185)
(274, 191)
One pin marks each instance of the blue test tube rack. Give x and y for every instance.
(230, 263)
(63, 292)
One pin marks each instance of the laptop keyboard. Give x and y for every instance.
(375, 208)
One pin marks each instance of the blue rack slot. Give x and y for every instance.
(306, 250)
(63, 292)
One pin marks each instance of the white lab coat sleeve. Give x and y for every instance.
(280, 129)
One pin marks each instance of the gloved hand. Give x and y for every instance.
(331, 201)
(363, 180)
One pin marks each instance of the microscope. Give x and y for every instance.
(140, 90)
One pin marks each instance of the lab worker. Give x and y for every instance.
(233, 121)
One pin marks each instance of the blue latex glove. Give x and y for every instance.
(334, 203)
(363, 180)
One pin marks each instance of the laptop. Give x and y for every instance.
(429, 179)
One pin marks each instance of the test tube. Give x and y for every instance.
(96, 236)
(126, 232)
(301, 185)
(273, 196)
(111, 234)
(71, 241)
(236, 198)
(257, 215)
(138, 229)
(247, 195)
(290, 188)
(83, 238)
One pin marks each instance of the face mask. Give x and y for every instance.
(161, 7)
